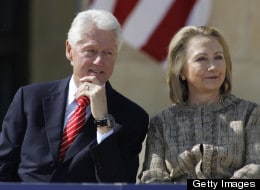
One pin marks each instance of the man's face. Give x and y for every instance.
(94, 55)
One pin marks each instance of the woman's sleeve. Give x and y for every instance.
(154, 168)
(251, 169)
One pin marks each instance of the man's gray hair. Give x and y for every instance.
(102, 19)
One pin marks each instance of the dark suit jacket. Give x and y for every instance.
(31, 137)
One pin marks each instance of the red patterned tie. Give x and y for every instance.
(75, 123)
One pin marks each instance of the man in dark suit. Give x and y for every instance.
(107, 146)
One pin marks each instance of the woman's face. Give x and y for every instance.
(205, 66)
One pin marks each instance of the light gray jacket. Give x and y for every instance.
(217, 141)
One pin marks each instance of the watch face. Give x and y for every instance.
(107, 121)
(110, 120)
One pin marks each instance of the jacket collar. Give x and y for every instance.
(54, 110)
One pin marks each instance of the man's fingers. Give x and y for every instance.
(90, 79)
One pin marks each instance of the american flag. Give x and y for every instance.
(148, 25)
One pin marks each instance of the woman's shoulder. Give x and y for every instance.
(232, 99)
(169, 112)
(228, 102)
(235, 106)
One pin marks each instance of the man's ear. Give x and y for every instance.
(68, 51)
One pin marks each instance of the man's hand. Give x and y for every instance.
(91, 87)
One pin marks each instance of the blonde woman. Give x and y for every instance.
(207, 132)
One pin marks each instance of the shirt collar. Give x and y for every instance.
(72, 91)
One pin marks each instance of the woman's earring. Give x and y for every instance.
(182, 76)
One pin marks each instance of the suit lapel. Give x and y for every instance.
(88, 133)
(84, 138)
(54, 111)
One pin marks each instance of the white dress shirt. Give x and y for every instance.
(71, 106)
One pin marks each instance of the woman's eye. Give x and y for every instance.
(219, 57)
(201, 59)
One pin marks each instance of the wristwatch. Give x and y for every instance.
(107, 121)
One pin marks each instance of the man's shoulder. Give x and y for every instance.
(46, 83)
(43, 86)
(124, 102)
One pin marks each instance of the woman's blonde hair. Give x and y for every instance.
(177, 58)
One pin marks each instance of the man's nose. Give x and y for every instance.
(98, 58)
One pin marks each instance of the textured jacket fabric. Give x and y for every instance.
(32, 132)
(217, 141)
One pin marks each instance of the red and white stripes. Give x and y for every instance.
(149, 25)
(74, 125)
